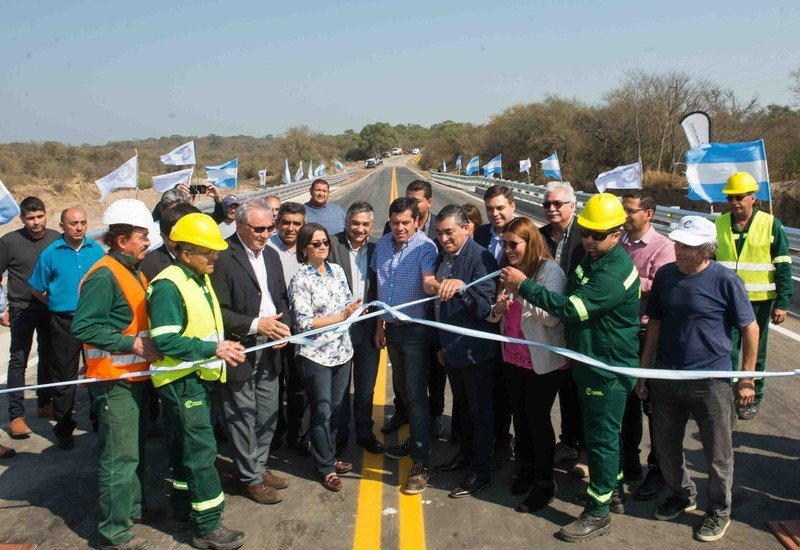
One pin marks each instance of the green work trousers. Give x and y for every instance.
(603, 406)
(763, 312)
(195, 481)
(122, 431)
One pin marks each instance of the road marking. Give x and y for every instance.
(393, 189)
(412, 521)
(785, 332)
(368, 514)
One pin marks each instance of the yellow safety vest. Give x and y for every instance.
(755, 264)
(202, 322)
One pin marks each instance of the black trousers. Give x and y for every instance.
(531, 397)
(63, 368)
(472, 389)
(571, 418)
(24, 322)
(632, 429)
(501, 406)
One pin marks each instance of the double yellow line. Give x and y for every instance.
(369, 513)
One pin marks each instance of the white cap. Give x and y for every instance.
(131, 212)
(694, 231)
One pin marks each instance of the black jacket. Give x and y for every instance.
(340, 254)
(575, 251)
(483, 235)
(155, 262)
(240, 297)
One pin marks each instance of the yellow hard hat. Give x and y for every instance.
(199, 229)
(602, 212)
(740, 183)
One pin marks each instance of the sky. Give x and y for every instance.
(97, 71)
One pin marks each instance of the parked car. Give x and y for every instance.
(415, 151)
(386, 154)
(397, 151)
(369, 163)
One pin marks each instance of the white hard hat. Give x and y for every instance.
(129, 211)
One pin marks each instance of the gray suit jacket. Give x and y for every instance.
(340, 254)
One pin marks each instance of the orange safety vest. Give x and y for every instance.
(105, 364)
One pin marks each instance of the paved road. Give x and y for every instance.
(48, 496)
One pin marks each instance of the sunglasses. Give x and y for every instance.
(738, 198)
(595, 235)
(511, 244)
(632, 211)
(556, 204)
(318, 244)
(261, 228)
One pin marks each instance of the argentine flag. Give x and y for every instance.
(299, 174)
(458, 163)
(473, 165)
(339, 165)
(9, 209)
(224, 175)
(319, 170)
(709, 166)
(494, 166)
(551, 168)
(287, 176)
(310, 169)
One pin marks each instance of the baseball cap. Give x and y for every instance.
(230, 199)
(694, 231)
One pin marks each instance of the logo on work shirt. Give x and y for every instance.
(190, 404)
(593, 393)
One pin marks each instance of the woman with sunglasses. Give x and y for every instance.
(320, 296)
(532, 375)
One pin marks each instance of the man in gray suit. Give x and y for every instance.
(351, 250)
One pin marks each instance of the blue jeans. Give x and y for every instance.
(325, 387)
(409, 351)
(365, 371)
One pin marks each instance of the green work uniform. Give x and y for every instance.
(600, 310)
(120, 406)
(187, 400)
(781, 260)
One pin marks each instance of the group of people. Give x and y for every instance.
(213, 318)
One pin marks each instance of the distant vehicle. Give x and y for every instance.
(415, 151)
(369, 163)
(386, 154)
(397, 151)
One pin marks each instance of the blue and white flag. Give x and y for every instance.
(551, 168)
(299, 174)
(287, 176)
(310, 169)
(9, 209)
(473, 165)
(262, 177)
(487, 172)
(165, 182)
(458, 163)
(621, 177)
(444, 166)
(709, 166)
(224, 175)
(339, 165)
(180, 156)
(494, 166)
(123, 177)
(319, 170)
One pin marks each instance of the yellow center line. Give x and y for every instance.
(393, 188)
(412, 521)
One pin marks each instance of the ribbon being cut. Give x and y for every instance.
(381, 308)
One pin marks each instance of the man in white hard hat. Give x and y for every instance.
(111, 321)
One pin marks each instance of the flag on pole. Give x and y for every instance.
(339, 165)
(165, 182)
(9, 209)
(697, 127)
(310, 169)
(473, 165)
(299, 174)
(123, 177)
(444, 166)
(551, 167)
(621, 177)
(487, 172)
(458, 163)
(262, 177)
(709, 166)
(287, 176)
(494, 166)
(525, 165)
(224, 175)
(180, 155)
(319, 170)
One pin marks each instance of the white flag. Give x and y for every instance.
(287, 176)
(165, 182)
(9, 209)
(697, 127)
(180, 156)
(262, 178)
(621, 177)
(525, 165)
(123, 177)
(299, 174)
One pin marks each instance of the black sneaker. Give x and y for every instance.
(586, 527)
(417, 479)
(401, 450)
(673, 507)
(220, 538)
(713, 528)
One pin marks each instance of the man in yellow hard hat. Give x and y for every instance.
(186, 327)
(753, 244)
(600, 310)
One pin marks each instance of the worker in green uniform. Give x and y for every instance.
(600, 310)
(753, 244)
(186, 327)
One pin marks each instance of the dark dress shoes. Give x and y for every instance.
(393, 424)
(370, 444)
(471, 485)
(651, 487)
(459, 462)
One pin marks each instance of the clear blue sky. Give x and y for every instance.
(95, 71)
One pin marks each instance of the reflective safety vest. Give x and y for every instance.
(106, 364)
(754, 264)
(203, 321)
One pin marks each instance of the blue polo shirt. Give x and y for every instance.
(59, 271)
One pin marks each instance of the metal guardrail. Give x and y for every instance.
(532, 196)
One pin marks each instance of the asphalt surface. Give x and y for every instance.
(48, 496)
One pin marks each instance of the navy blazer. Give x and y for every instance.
(239, 296)
(469, 308)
